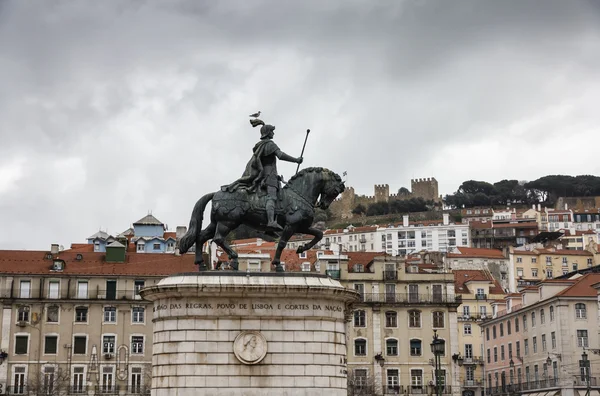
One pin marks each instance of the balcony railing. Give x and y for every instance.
(473, 360)
(393, 390)
(107, 389)
(390, 275)
(477, 383)
(410, 298)
(480, 296)
(73, 294)
(334, 274)
(525, 386)
(582, 381)
(474, 317)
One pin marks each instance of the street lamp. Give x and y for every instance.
(438, 347)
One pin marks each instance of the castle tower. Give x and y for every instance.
(382, 192)
(425, 188)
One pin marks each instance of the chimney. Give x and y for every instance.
(180, 232)
(405, 221)
(446, 218)
(566, 206)
(539, 208)
(54, 248)
(533, 206)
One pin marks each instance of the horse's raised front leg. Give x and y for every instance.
(223, 229)
(318, 235)
(287, 233)
(203, 236)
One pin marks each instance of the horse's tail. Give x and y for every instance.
(189, 238)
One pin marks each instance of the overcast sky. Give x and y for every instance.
(110, 109)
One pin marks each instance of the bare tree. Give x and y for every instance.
(360, 383)
(49, 380)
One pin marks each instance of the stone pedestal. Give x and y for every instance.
(230, 333)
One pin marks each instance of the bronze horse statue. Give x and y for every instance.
(295, 213)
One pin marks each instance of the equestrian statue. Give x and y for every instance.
(257, 200)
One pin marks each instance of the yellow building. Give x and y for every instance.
(478, 289)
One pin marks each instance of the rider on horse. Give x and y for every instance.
(261, 171)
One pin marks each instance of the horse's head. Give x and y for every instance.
(332, 187)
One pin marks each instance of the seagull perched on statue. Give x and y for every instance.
(255, 115)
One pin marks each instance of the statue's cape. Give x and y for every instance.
(253, 174)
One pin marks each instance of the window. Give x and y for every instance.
(580, 311)
(137, 314)
(553, 339)
(48, 383)
(18, 387)
(415, 347)
(360, 319)
(107, 385)
(533, 319)
(79, 345)
(81, 314)
(253, 266)
(358, 268)
(137, 345)
(524, 322)
(108, 344)
(82, 289)
(488, 355)
(534, 272)
(438, 319)
(502, 355)
(551, 309)
(391, 347)
(469, 351)
(533, 260)
(25, 291)
(516, 324)
(50, 345)
(534, 344)
(494, 332)
(526, 345)
(487, 334)
(156, 246)
(414, 319)
(501, 329)
(518, 348)
(467, 329)
(582, 338)
(495, 354)
(360, 347)
(466, 311)
(416, 378)
(78, 379)
(548, 260)
(138, 285)
(110, 314)
(520, 272)
(136, 380)
(542, 317)
(589, 261)
(519, 259)
(509, 327)
(23, 314)
(391, 319)
(393, 380)
(52, 314)
(360, 378)
(141, 246)
(510, 355)
(544, 342)
(305, 267)
(53, 287)
(549, 273)
(21, 344)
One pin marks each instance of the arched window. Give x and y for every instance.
(542, 316)
(415, 347)
(551, 314)
(391, 319)
(487, 334)
(508, 327)
(516, 324)
(501, 329)
(391, 347)
(360, 318)
(438, 319)
(494, 332)
(360, 347)
(580, 311)
(414, 319)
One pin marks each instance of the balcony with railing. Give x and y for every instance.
(473, 360)
(525, 386)
(480, 296)
(390, 275)
(410, 298)
(472, 317)
(474, 383)
(72, 294)
(582, 381)
(333, 274)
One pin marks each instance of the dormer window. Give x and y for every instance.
(302, 255)
(96, 246)
(79, 257)
(58, 265)
(141, 246)
(156, 246)
(49, 256)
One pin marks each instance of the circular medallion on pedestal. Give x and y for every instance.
(250, 347)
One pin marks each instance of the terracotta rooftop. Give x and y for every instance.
(582, 287)
(461, 277)
(93, 263)
(466, 252)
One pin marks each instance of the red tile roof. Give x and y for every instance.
(168, 235)
(463, 252)
(93, 263)
(583, 287)
(461, 277)
(82, 247)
